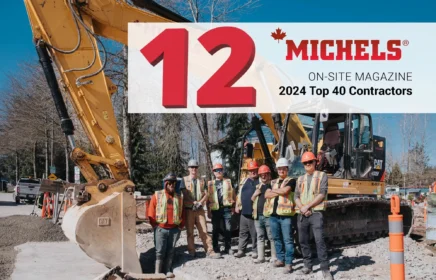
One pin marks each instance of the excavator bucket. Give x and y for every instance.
(106, 231)
(103, 223)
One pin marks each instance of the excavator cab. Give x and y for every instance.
(346, 147)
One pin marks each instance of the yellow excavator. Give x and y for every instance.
(66, 33)
(351, 155)
(102, 220)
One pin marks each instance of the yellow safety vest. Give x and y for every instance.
(285, 206)
(213, 194)
(307, 194)
(161, 207)
(256, 200)
(238, 198)
(190, 187)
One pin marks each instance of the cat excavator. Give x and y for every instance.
(351, 155)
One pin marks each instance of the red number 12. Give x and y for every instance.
(215, 92)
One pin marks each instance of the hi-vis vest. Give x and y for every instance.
(190, 188)
(256, 200)
(213, 194)
(308, 193)
(285, 206)
(161, 207)
(238, 198)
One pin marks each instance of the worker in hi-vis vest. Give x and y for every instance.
(311, 200)
(194, 198)
(221, 207)
(165, 213)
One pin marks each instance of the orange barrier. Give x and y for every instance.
(396, 240)
(67, 204)
(47, 206)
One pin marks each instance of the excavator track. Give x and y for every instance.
(355, 219)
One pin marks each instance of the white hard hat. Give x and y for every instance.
(192, 162)
(282, 162)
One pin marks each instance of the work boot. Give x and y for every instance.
(278, 263)
(239, 254)
(214, 255)
(229, 251)
(287, 269)
(261, 252)
(306, 270)
(327, 275)
(158, 265)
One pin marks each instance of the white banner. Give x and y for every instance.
(282, 67)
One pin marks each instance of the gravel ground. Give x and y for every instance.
(366, 261)
(16, 230)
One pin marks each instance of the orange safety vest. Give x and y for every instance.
(308, 193)
(285, 206)
(161, 207)
(190, 187)
(213, 194)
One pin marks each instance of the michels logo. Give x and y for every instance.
(345, 49)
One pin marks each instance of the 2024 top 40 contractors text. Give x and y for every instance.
(337, 89)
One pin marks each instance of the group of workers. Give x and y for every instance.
(269, 209)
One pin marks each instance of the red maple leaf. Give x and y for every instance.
(278, 35)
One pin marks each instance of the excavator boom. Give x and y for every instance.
(66, 32)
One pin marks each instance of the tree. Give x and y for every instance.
(137, 147)
(234, 125)
(396, 176)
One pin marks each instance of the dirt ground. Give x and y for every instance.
(18, 229)
(363, 261)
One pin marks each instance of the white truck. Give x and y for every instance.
(26, 189)
(391, 190)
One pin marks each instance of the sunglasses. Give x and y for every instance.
(171, 182)
(308, 162)
(193, 167)
(218, 170)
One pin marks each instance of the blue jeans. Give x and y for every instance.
(281, 229)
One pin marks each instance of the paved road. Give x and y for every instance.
(8, 207)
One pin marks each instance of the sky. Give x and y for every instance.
(17, 46)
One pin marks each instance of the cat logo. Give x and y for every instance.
(378, 164)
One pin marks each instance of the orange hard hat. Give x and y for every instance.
(252, 165)
(308, 156)
(264, 169)
(217, 165)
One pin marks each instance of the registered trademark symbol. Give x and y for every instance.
(405, 42)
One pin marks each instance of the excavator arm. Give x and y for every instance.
(66, 32)
(70, 30)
